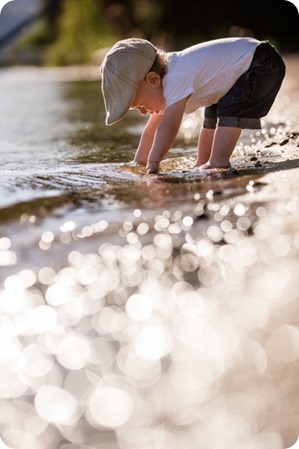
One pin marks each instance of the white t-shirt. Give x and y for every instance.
(206, 71)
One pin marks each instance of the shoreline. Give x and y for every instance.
(46, 74)
(86, 72)
(268, 190)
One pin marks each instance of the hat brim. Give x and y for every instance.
(124, 93)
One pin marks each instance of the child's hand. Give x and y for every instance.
(152, 167)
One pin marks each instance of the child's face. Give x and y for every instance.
(149, 95)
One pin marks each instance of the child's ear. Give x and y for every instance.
(153, 78)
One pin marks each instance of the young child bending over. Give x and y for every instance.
(235, 79)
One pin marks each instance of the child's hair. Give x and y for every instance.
(160, 64)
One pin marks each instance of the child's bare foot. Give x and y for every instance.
(210, 166)
(136, 162)
(152, 167)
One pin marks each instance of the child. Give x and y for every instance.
(235, 79)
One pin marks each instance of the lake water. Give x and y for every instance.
(144, 310)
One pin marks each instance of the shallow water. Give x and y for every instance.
(123, 295)
(53, 140)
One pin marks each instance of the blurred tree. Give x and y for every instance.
(45, 30)
(71, 30)
(81, 29)
(129, 16)
(185, 23)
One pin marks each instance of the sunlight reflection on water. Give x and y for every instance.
(109, 345)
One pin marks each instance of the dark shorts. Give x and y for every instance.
(253, 94)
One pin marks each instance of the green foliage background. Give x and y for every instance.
(81, 29)
(70, 31)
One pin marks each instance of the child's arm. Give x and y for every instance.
(147, 138)
(165, 134)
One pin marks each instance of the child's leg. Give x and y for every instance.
(224, 142)
(205, 142)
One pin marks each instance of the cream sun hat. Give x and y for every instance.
(124, 67)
